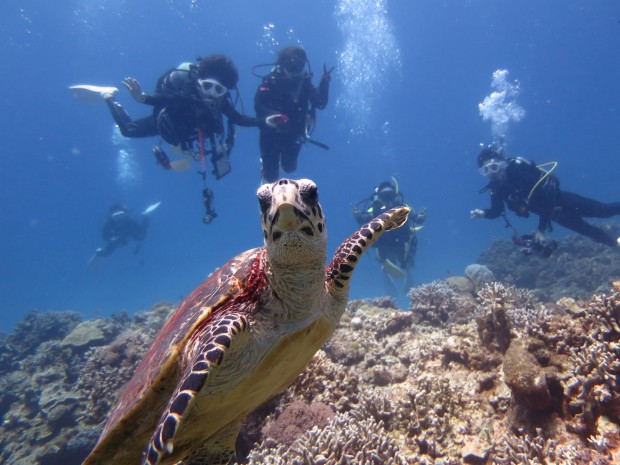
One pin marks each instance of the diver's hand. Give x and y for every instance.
(327, 73)
(135, 89)
(476, 213)
(276, 121)
(421, 215)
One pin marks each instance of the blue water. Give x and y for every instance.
(404, 102)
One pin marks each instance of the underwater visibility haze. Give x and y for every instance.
(417, 87)
(497, 352)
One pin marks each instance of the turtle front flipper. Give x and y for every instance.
(218, 450)
(347, 255)
(209, 352)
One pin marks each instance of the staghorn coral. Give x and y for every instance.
(522, 448)
(344, 441)
(594, 388)
(429, 415)
(536, 448)
(377, 406)
(529, 321)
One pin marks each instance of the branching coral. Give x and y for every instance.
(375, 406)
(521, 448)
(324, 381)
(344, 440)
(433, 303)
(428, 417)
(524, 449)
(594, 390)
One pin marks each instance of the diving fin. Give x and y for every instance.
(180, 165)
(93, 260)
(391, 269)
(91, 94)
(151, 208)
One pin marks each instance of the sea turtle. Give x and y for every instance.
(240, 338)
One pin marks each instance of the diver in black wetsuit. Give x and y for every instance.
(396, 252)
(120, 228)
(189, 106)
(524, 187)
(186, 99)
(287, 100)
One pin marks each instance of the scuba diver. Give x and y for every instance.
(287, 101)
(395, 251)
(121, 227)
(525, 188)
(189, 106)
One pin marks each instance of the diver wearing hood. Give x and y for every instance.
(525, 187)
(287, 100)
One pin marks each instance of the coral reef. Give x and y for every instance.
(479, 275)
(433, 303)
(471, 374)
(560, 275)
(60, 378)
(345, 440)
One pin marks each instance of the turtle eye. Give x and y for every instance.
(264, 200)
(310, 194)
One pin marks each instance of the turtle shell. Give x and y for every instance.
(132, 420)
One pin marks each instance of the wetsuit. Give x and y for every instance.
(178, 112)
(119, 229)
(517, 189)
(295, 97)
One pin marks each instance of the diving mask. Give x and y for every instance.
(211, 88)
(293, 66)
(492, 168)
(387, 194)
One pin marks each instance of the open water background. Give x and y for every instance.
(404, 102)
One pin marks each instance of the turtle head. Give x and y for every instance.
(293, 223)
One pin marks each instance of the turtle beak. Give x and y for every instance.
(286, 217)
